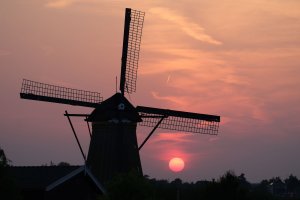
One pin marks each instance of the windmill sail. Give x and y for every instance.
(131, 47)
(179, 121)
(45, 92)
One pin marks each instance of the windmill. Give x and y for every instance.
(113, 147)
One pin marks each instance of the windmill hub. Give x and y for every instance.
(121, 106)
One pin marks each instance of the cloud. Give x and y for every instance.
(190, 28)
(173, 59)
(213, 139)
(47, 50)
(175, 100)
(60, 3)
(174, 138)
(173, 145)
(4, 52)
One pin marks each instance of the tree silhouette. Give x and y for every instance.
(128, 186)
(292, 183)
(8, 189)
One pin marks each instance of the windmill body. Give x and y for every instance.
(113, 147)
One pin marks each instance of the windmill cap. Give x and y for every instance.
(115, 108)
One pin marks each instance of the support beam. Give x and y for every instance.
(155, 127)
(68, 116)
(77, 115)
(88, 125)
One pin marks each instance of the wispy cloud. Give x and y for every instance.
(4, 52)
(59, 3)
(179, 102)
(174, 59)
(173, 138)
(173, 145)
(192, 29)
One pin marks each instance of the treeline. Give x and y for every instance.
(134, 187)
(228, 186)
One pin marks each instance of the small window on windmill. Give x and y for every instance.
(121, 106)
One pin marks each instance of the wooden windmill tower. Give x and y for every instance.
(113, 147)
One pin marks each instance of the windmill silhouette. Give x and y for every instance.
(113, 147)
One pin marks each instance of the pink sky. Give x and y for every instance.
(236, 59)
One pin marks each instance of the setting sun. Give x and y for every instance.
(176, 164)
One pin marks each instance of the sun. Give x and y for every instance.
(176, 164)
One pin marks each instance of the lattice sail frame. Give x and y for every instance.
(134, 41)
(188, 122)
(52, 93)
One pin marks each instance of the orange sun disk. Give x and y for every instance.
(176, 164)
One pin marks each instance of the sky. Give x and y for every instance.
(236, 59)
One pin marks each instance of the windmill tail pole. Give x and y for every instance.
(67, 114)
